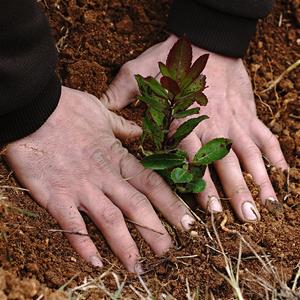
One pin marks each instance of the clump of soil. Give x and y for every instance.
(94, 39)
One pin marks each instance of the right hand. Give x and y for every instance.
(75, 163)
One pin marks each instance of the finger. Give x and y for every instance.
(236, 188)
(268, 144)
(234, 185)
(123, 128)
(70, 220)
(138, 209)
(155, 188)
(251, 159)
(109, 219)
(123, 90)
(208, 199)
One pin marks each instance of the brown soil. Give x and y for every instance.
(94, 39)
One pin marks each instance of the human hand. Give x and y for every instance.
(75, 163)
(232, 112)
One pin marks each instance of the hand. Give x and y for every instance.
(232, 112)
(75, 163)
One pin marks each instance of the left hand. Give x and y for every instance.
(232, 114)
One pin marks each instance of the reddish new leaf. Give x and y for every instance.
(196, 69)
(180, 58)
(170, 85)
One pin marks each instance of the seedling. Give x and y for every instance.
(180, 86)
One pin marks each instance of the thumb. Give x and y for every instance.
(123, 128)
(123, 90)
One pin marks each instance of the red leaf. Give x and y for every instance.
(197, 67)
(170, 84)
(180, 58)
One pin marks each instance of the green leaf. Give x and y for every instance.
(153, 131)
(201, 98)
(197, 186)
(180, 175)
(154, 102)
(197, 171)
(185, 113)
(156, 87)
(196, 69)
(196, 86)
(165, 71)
(181, 153)
(162, 161)
(170, 84)
(185, 129)
(157, 116)
(214, 150)
(166, 175)
(152, 83)
(180, 58)
(183, 104)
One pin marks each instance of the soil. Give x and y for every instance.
(94, 39)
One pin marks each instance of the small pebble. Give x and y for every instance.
(194, 233)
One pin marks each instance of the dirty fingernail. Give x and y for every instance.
(271, 199)
(187, 221)
(214, 205)
(249, 211)
(138, 269)
(96, 262)
(272, 204)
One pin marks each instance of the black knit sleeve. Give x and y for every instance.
(29, 87)
(224, 27)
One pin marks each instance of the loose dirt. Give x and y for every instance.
(94, 39)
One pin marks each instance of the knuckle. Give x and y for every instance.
(253, 152)
(127, 69)
(264, 183)
(117, 149)
(111, 215)
(272, 142)
(139, 201)
(98, 158)
(152, 181)
(240, 189)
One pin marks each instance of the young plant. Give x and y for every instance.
(181, 86)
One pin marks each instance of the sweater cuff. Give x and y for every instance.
(211, 29)
(20, 123)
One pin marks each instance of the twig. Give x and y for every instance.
(143, 226)
(13, 188)
(188, 256)
(296, 279)
(49, 230)
(280, 77)
(224, 228)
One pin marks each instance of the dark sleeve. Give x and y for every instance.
(221, 26)
(29, 87)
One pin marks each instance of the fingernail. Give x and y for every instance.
(272, 204)
(138, 269)
(271, 199)
(214, 204)
(96, 262)
(249, 212)
(187, 221)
